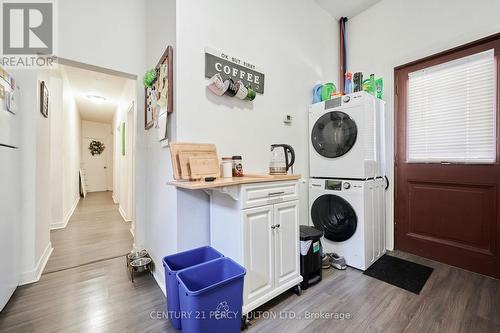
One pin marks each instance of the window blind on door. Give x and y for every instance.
(452, 111)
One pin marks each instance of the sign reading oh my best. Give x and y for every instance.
(230, 67)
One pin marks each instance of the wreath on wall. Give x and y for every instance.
(96, 147)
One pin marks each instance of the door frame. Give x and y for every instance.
(492, 41)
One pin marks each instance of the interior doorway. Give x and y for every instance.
(95, 166)
(92, 164)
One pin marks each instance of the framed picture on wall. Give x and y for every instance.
(44, 99)
(159, 97)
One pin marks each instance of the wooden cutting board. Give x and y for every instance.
(181, 147)
(202, 167)
(184, 161)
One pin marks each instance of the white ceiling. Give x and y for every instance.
(85, 82)
(347, 8)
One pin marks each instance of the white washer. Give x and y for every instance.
(346, 137)
(352, 215)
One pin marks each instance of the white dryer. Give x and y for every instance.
(352, 215)
(347, 137)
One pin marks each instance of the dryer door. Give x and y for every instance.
(334, 134)
(335, 216)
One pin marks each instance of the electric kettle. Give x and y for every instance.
(281, 159)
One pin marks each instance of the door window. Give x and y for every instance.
(452, 111)
(334, 134)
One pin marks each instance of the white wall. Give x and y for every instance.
(161, 199)
(27, 82)
(72, 146)
(395, 32)
(65, 146)
(297, 57)
(123, 183)
(43, 204)
(294, 42)
(36, 156)
(56, 150)
(112, 34)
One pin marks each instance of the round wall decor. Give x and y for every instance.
(96, 147)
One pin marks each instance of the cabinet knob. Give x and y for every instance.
(273, 227)
(278, 225)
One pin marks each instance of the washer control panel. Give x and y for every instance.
(333, 185)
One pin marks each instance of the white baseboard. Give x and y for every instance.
(114, 198)
(122, 213)
(34, 274)
(159, 282)
(64, 223)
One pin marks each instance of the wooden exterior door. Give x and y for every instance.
(445, 211)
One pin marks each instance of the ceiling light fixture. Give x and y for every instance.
(96, 98)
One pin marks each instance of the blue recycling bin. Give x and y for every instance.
(211, 296)
(179, 261)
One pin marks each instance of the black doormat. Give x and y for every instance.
(400, 273)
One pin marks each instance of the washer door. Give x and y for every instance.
(335, 216)
(334, 134)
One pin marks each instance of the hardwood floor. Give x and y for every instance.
(99, 297)
(96, 231)
(453, 300)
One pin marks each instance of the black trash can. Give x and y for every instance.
(311, 252)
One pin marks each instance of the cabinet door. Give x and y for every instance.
(258, 252)
(286, 238)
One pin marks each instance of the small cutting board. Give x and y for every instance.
(176, 148)
(202, 167)
(184, 161)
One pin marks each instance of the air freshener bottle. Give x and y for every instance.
(372, 84)
(348, 83)
(379, 87)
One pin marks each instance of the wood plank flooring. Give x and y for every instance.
(99, 297)
(96, 231)
(453, 300)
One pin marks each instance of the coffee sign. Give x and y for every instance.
(227, 66)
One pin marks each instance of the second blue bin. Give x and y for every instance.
(212, 293)
(179, 261)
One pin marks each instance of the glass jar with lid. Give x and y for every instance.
(227, 167)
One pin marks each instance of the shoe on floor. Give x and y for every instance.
(326, 261)
(337, 261)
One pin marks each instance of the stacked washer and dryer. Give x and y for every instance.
(347, 176)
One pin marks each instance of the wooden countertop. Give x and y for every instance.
(222, 182)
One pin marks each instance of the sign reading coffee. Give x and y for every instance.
(229, 67)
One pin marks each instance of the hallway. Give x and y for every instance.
(95, 232)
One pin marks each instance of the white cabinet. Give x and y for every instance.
(286, 242)
(258, 226)
(258, 251)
